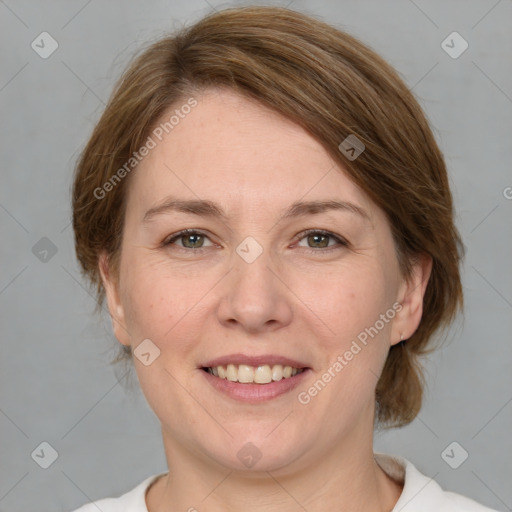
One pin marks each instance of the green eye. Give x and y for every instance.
(195, 241)
(189, 239)
(319, 239)
(315, 240)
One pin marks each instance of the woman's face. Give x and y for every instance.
(287, 263)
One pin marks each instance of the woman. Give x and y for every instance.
(265, 209)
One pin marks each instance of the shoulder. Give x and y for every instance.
(105, 505)
(132, 501)
(456, 502)
(422, 493)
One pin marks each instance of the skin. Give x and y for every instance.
(298, 299)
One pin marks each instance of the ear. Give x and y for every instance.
(410, 296)
(111, 285)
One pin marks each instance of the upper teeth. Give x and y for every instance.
(259, 374)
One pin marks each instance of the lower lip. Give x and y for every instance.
(254, 393)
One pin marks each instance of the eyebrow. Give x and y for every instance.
(206, 208)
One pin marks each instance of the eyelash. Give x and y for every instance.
(341, 242)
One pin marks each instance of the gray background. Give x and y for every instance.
(56, 385)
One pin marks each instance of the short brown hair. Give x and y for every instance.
(332, 85)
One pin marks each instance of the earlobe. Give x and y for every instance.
(411, 293)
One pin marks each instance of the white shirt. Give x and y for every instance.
(420, 493)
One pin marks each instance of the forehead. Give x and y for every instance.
(232, 149)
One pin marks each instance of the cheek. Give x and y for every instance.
(162, 305)
(349, 300)
(352, 352)
(163, 309)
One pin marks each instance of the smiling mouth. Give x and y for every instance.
(246, 374)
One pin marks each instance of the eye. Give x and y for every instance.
(320, 239)
(316, 239)
(189, 239)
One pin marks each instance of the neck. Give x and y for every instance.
(346, 478)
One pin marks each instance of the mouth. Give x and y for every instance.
(247, 374)
(254, 380)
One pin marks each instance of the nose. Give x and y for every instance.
(254, 298)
